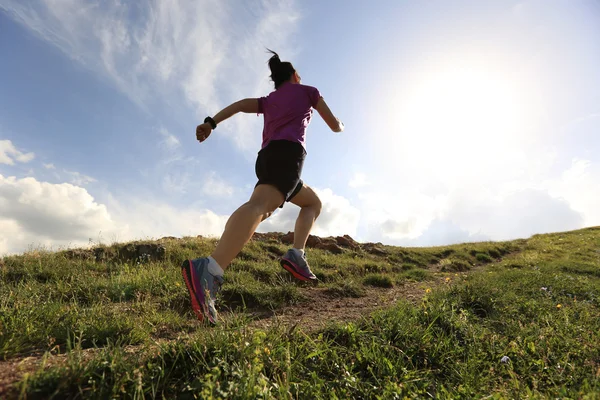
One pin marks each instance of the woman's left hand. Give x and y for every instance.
(203, 132)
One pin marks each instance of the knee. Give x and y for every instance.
(317, 207)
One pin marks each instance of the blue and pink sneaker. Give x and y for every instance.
(295, 263)
(203, 287)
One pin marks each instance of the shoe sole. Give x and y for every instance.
(186, 271)
(292, 269)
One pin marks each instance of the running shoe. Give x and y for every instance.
(203, 287)
(296, 264)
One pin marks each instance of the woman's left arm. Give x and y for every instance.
(249, 106)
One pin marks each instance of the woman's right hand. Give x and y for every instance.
(203, 132)
(334, 123)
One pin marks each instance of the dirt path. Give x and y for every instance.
(322, 308)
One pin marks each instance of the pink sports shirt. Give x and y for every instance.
(287, 112)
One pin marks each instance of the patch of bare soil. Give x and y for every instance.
(322, 308)
(11, 372)
(14, 370)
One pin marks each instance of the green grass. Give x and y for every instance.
(346, 289)
(127, 330)
(378, 280)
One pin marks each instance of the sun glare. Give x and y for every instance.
(459, 120)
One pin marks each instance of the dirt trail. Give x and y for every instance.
(322, 308)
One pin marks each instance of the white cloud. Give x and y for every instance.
(209, 184)
(338, 217)
(443, 232)
(9, 154)
(34, 213)
(151, 219)
(156, 48)
(579, 185)
(49, 166)
(584, 118)
(169, 141)
(43, 213)
(468, 213)
(398, 214)
(511, 215)
(176, 182)
(358, 180)
(198, 50)
(528, 198)
(514, 194)
(216, 187)
(78, 179)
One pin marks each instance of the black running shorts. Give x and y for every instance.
(280, 164)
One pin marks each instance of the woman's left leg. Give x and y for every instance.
(310, 208)
(294, 260)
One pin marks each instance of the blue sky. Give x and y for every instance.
(464, 120)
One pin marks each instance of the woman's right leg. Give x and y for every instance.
(243, 222)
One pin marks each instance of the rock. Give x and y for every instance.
(258, 236)
(330, 246)
(333, 244)
(142, 252)
(266, 236)
(288, 238)
(347, 241)
(375, 248)
(134, 252)
(313, 241)
(100, 254)
(79, 254)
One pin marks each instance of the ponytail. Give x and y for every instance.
(281, 71)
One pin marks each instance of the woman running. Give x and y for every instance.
(287, 112)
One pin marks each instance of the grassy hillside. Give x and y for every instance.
(517, 319)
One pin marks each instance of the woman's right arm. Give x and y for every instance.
(334, 123)
(203, 131)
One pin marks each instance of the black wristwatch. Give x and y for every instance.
(211, 121)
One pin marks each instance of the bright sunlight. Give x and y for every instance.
(461, 121)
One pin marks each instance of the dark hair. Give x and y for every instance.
(281, 71)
